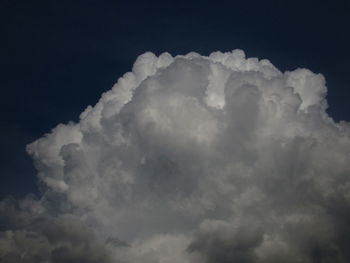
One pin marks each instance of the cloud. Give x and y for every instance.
(191, 159)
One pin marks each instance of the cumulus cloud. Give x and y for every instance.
(191, 159)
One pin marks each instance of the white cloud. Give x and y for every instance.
(192, 159)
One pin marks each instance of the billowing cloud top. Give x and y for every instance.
(191, 159)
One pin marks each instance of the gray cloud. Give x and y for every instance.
(191, 159)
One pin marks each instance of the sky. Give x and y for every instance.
(58, 57)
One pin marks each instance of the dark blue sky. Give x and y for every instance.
(57, 57)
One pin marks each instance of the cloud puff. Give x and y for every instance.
(191, 159)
